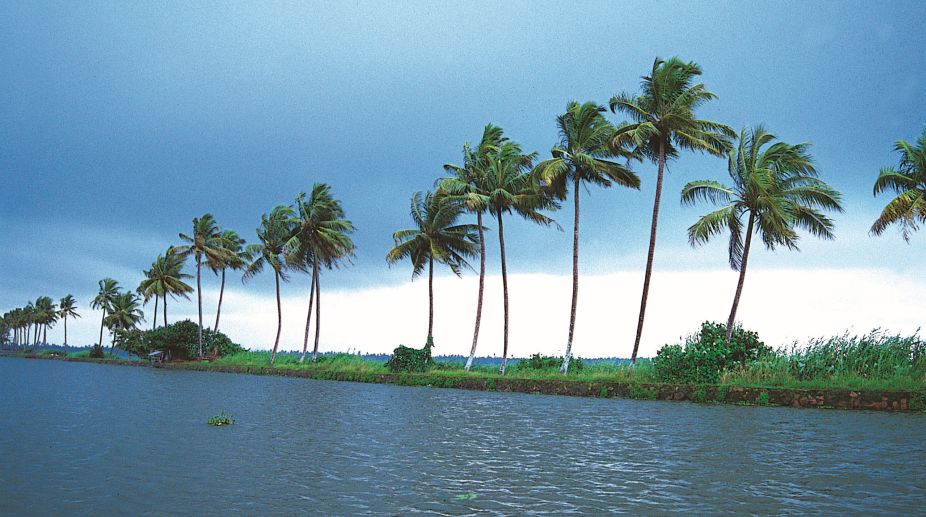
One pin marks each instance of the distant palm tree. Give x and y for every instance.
(238, 258)
(67, 308)
(28, 321)
(109, 288)
(274, 233)
(663, 123)
(124, 315)
(166, 278)
(46, 314)
(322, 239)
(512, 188)
(207, 244)
(467, 186)
(775, 188)
(908, 182)
(435, 237)
(583, 155)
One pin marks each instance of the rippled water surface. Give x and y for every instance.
(94, 439)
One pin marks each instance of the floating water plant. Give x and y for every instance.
(221, 419)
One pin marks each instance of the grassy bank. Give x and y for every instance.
(776, 380)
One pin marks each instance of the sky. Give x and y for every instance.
(120, 122)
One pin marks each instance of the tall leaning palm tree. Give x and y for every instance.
(103, 300)
(775, 188)
(237, 259)
(67, 308)
(908, 182)
(435, 237)
(663, 123)
(510, 187)
(584, 155)
(46, 314)
(206, 243)
(275, 231)
(467, 186)
(166, 278)
(322, 239)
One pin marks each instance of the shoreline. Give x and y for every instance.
(845, 399)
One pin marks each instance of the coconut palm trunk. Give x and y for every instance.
(651, 253)
(199, 300)
(154, 323)
(739, 285)
(308, 317)
(482, 276)
(318, 315)
(276, 342)
(102, 321)
(430, 298)
(65, 331)
(501, 246)
(165, 309)
(575, 275)
(218, 311)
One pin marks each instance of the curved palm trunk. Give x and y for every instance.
(65, 331)
(218, 312)
(482, 276)
(575, 277)
(501, 245)
(651, 253)
(430, 298)
(318, 315)
(103, 320)
(308, 317)
(199, 300)
(739, 286)
(154, 323)
(276, 342)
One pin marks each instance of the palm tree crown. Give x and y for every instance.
(908, 182)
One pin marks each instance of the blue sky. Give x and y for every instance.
(120, 122)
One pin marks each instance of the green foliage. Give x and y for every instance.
(543, 363)
(721, 395)
(641, 393)
(405, 359)
(179, 340)
(762, 399)
(918, 401)
(96, 352)
(221, 419)
(873, 355)
(700, 394)
(707, 354)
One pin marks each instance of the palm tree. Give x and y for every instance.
(124, 314)
(322, 239)
(908, 182)
(436, 236)
(109, 288)
(663, 123)
(775, 188)
(275, 231)
(467, 186)
(46, 314)
(237, 259)
(583, 155)
(165, 278)
(205, 243)
(67, 308)
(511, 187)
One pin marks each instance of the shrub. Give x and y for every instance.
(96, 352)
(707, 354)
(543, 363)
(179, 340)
(405, 359)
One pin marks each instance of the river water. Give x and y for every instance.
(91, 439)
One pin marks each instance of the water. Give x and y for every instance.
(93, 439)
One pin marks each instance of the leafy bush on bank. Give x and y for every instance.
(178, 340)
(706, 355)
(405, 359)
(547, 363)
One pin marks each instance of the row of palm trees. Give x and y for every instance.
(775, 191)
(776, 188)
(29, 324)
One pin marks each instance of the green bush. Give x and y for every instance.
(707, 354)
(179, 340)
(96, 352)
(405, 359)
(544, 363)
